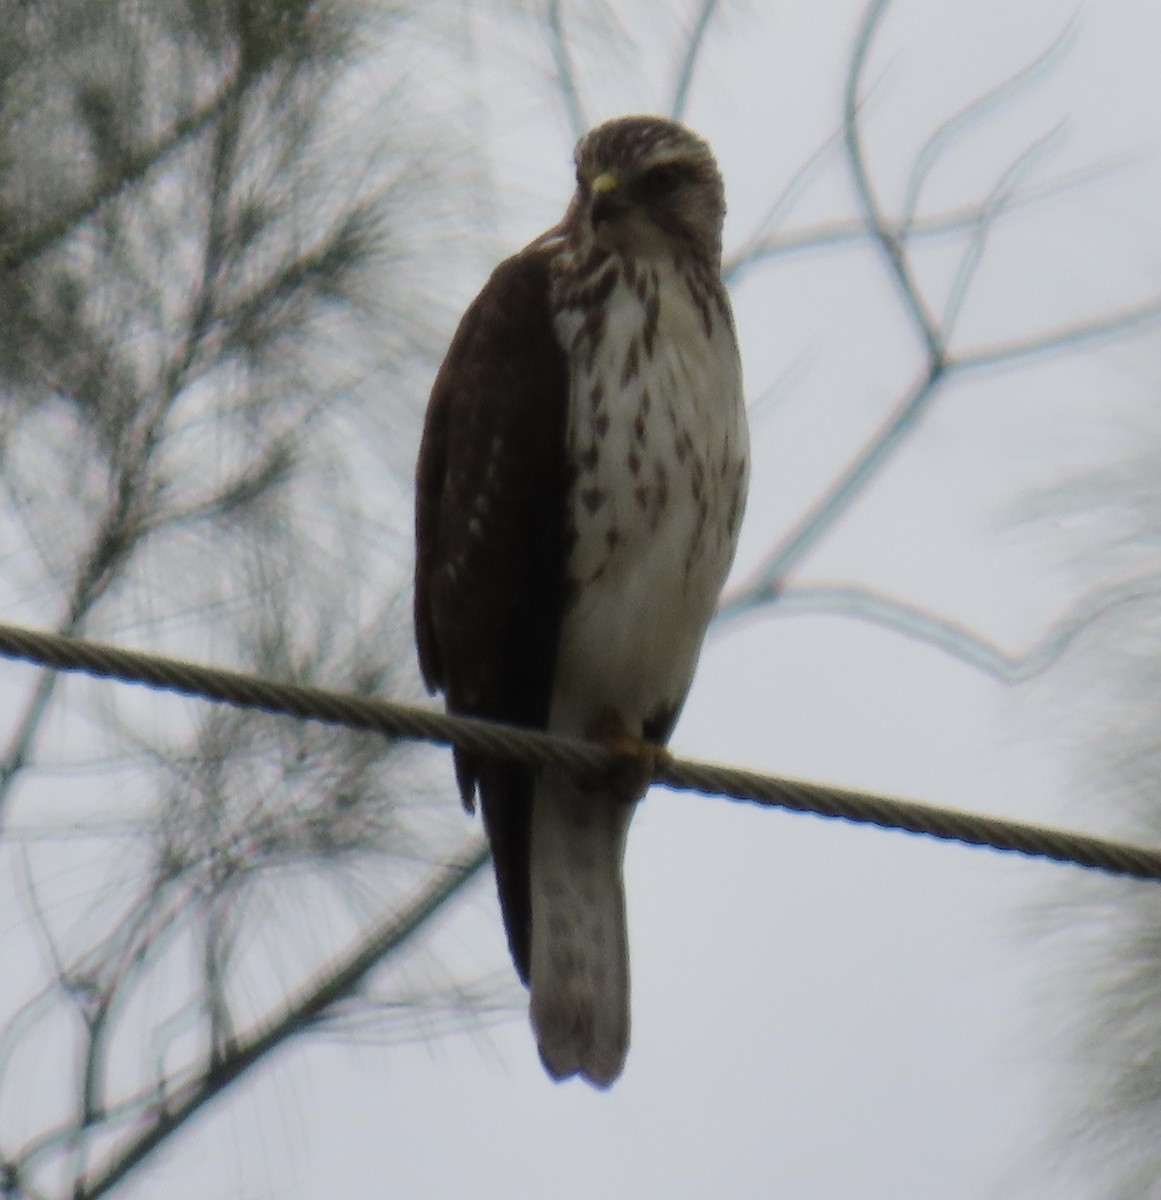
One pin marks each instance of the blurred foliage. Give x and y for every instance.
(214, 274)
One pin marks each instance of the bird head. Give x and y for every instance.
(648, 186)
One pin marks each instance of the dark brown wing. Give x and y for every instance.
(491, 544)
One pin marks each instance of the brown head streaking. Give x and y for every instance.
(581, 481)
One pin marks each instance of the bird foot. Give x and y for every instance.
(637, 761)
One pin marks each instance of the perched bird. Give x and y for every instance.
(581, 480)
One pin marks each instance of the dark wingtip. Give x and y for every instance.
(467, 772)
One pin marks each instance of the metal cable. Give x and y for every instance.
(588, 759)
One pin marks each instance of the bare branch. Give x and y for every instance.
(824, 235)
(121, 528)
(943, 633)
(430, 1013)
(1062, 339)
(566, 80)
(760, 244)
(972, 113)
(759, 407)
(767, 578)
(22, 743)
(689, 61)
(893, 249)
(301, 1015)
(29, 245)
(993, 204)
(174, 398)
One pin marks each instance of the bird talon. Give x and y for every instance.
(637, 763)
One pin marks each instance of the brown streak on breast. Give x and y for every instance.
(603, 288)
(592, 330)
(652, 317)
(660, 494)
(700, 294)
(592, 498)
(661, 476)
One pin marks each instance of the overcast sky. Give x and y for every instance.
(818, 1011)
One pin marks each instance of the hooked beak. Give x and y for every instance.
(607, 199)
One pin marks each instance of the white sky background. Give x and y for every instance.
(818, 1011)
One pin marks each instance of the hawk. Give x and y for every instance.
(581, 480)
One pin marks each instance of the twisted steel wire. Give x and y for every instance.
(588, 759)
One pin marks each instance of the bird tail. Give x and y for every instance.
(580, 949)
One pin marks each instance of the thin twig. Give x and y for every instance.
(893, 248)
(768, 577)
(762, 243)
(953, 637)
(301, 1015)
(689, 60)
(822, 235)
(1061, 338)
(27, 246)
(938, 143)
(767, 580)
(121, 528)
(992, 206)
(565, 70)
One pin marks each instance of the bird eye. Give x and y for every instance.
(663, 179)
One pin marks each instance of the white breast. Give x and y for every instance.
(657, 433)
